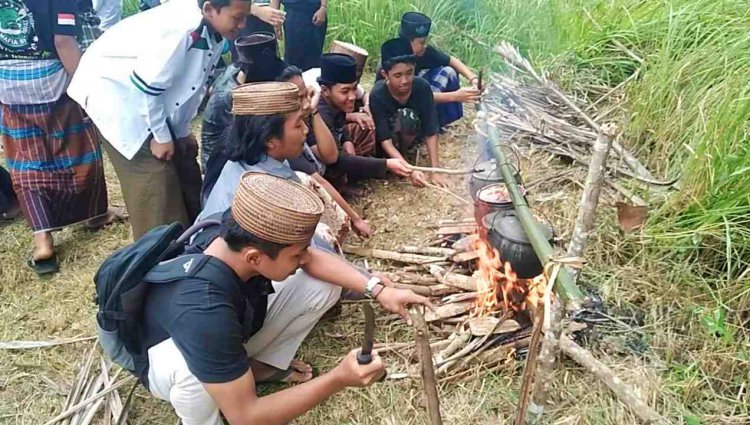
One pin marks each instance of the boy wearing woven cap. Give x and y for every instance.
(141, 83)
(404, 109)
(257, 60)
(245, 329)
(440, 69)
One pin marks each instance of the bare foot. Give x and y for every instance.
(297, 373)
(43, 246)
(114, 215)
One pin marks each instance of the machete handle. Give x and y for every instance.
(363, 358)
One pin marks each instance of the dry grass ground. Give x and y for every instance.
(33, 383)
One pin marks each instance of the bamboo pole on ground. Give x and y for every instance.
(590, 197)
(624, 392)
(429, 383)
(564, 284)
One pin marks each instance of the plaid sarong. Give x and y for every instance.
(88, 28)
(445, 79)
(55, 163)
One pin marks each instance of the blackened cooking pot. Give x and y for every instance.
(507, 236)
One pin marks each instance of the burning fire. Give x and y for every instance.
(495, 277)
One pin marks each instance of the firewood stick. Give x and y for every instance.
(448, 192)
(530, 366)
(466, 283)
(72, 410)
(511, 54)
(390, 255)
(427, 250)
(422, 340)
(546, 362)
(590, 197)
(457, 340)
(438, 170)
(624, 392)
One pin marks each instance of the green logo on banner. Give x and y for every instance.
(16, 26)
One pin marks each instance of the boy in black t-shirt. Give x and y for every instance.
(439, 69)
(403, 108)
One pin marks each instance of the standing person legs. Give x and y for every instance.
(55, 162)
(303, 41)
(158, 192)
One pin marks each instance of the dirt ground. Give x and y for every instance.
(34, 382)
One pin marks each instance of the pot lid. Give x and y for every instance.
(490, 171)
(508, 226)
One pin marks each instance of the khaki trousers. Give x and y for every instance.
(159, 192)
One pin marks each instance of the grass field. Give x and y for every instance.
(684, 279)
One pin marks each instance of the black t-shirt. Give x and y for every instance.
(335, 120)
(432, 58)
(208, 320)
(29, 27)
(384, 108)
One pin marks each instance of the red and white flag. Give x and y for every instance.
(66, 19)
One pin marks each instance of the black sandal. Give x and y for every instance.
(46, 266)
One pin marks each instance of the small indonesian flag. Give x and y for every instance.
(66, 19)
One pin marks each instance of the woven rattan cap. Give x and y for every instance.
(265, 98)
(276, 209)
(359, 54)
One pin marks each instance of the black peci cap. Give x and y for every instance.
(395, 47)
(415, 25)
(255, 46)
(338, 68)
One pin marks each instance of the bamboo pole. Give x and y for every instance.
(564, 284)
(429, 383)
(624, 392)
(590, 197)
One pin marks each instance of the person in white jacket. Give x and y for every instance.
(141, 83)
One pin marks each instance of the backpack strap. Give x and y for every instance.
(186, 266)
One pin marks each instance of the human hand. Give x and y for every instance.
(352, 374)
(313, 94)
(418, 179)
(162, 151)
(362, 119)
(319, 18)
(362, 228)
(279, 33)
(397, 301)
(349, 148)
(398, 167)
(438, 180)
(468, 94)
(269, 15)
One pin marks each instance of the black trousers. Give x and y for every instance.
(358, 168)
(7, 195)
(303, 41)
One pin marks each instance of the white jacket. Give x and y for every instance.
(147, 75)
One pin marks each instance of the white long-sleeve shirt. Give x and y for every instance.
(147, 75)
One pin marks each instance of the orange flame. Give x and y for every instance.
(495, 277)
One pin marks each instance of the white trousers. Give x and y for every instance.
(108, 11)
(295, 307)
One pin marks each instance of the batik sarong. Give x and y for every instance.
(55, 163)
(445, 79)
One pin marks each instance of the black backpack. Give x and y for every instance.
(121, 289)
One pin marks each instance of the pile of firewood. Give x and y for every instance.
(460, 340)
